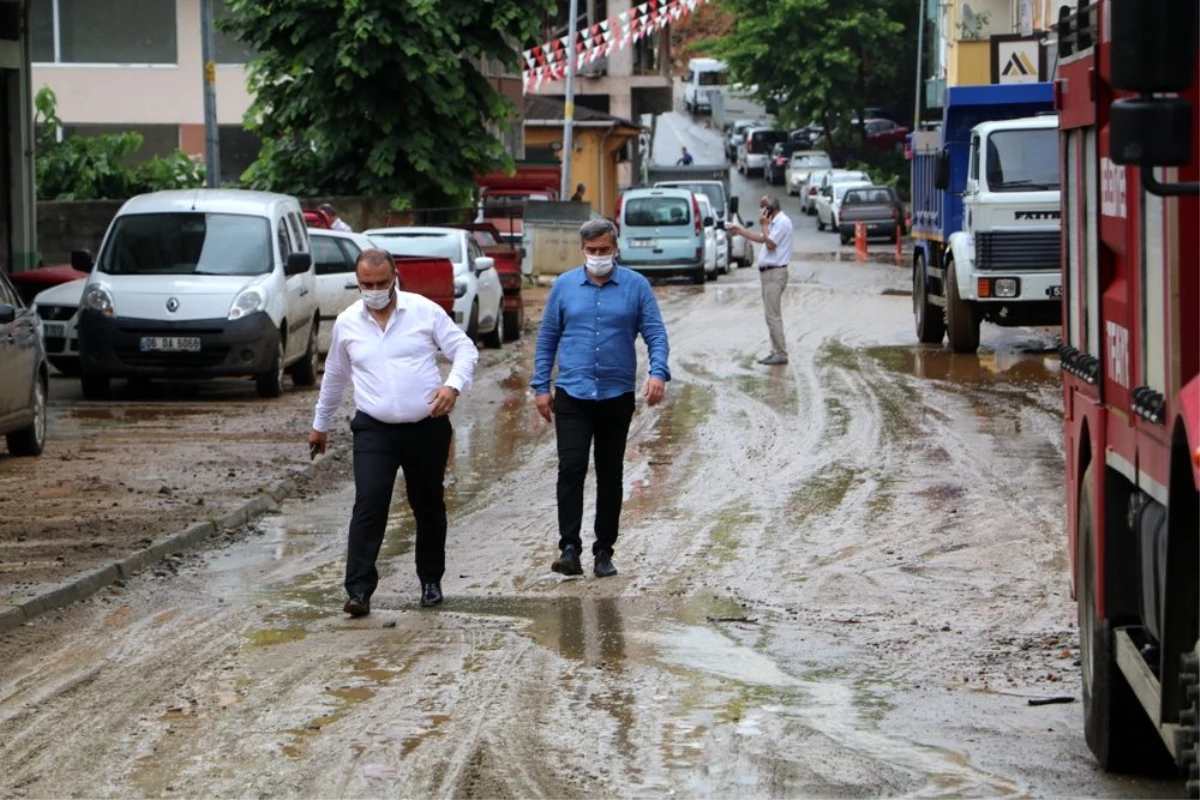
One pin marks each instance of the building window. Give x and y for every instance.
(229, 49)
(157, 140)
(239, 149)
(103, 31)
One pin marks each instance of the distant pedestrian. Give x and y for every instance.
(685, 159)
(773, 260)
(578, 196)
(593, 317)
(335, 222)
(386, 346)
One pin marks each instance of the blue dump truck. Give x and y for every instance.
(985, 207)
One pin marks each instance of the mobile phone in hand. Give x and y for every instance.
(312, 451)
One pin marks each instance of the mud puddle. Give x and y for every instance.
(995, 368)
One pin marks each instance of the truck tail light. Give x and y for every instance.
(696, 215)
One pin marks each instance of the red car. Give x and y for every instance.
(30, 282)
(883, 134)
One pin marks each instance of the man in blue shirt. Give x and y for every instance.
(592, 319)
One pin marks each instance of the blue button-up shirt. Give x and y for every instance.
(591, 329)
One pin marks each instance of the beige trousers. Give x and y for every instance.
(774, 281)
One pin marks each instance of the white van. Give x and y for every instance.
(201, 283)
(705, 76)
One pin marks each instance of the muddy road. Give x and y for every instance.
(843, 577)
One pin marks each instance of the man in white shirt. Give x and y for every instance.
(386, 346)
(773, 260)
(335, 222)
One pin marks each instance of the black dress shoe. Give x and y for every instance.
(604, 567)
(431, 594)
(568, 562)
(357, 606)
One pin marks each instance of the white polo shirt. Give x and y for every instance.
(780, 233)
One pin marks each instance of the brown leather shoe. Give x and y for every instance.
(357, 606)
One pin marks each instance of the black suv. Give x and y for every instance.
(777, 164)
(23, 375)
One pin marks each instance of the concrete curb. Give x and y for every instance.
(89, 583)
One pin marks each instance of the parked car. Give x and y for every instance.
(712, 240)
(883, 134)
(808, 136)
(801, 164)
(334, 255)
(819, 181)
(661, 232)
(777, 164)
(737, 135)
(756, 149)
(240, 293)
(478, 296)
(829, 205)
(33, 281)
(511, 265)
(23, 375)
(877, 207)
(58, 309)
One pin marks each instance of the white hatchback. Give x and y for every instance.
(334, 255)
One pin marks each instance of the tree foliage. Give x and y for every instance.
(827, 59)
(378, 97)
(96, 167)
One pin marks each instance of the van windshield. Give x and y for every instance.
(711, 78)
(657, 212)
(188, 243)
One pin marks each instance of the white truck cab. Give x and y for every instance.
(1005, 258)
(201, 283)
(704, 77)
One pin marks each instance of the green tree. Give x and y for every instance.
(379, 97)
(827, 59)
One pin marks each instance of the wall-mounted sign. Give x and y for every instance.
(1018, 59)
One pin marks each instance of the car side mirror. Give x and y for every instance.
(81, 260)
(483, 264)
(941, 175)
(298, 263)
(733, 206)
(1151, 132)
(7, 313)
(1153, 45)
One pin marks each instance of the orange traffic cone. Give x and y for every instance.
(860, 240)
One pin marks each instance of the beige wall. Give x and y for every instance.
(159, 94)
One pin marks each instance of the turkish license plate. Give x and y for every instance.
(1054, 291)
(170, 344)
(55, 330)
(643, 242)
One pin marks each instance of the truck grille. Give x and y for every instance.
(1017, 250)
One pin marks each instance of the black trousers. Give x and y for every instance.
(577, 424)
(421, 450)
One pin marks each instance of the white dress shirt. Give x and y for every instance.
(780, 233)
(340, 224)
(393, 369)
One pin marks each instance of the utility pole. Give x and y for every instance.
(922, 6)
(212, 143)
(569, 108)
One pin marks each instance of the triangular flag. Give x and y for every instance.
(604, 25)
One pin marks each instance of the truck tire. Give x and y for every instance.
(1116, 728)
(31, 441)
(270, 383)
(514, 323)
(929, 319)
(962, 323)
(304, 371)
(95, 387)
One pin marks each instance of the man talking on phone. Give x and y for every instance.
(773, 260)
(386, 345)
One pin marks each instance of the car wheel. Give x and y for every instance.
(473, 321)
(514, 321)
(66, 366)
(494, 339)
(30, 441)
(699, 276)
(304, 371)
(270, 383)
(95, 387)
(845, 239)
(820, 224)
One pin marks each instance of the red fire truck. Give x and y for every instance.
(1126, 90)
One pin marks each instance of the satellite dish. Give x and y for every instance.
(970, 22)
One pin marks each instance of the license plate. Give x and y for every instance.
(170, 344)
(55, 330)
(1054, 291)
(643, 242)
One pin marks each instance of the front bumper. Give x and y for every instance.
(112, 347)
(1038, 300)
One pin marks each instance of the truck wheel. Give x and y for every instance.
(931, 324)
(495, 338)
(1117, 730)
(473, 321)
(514, 323)
(30, 441)
(270, 383)
(962, 324)
(95, 387)
(304, 371)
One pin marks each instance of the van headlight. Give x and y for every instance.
(250, 300)
(98, 298)
(460, 287)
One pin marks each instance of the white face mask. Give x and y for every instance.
(376, 299)
(600, 265)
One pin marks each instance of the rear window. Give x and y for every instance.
(713, 191)
(868, 197)
(434, 245)
(190, 243)
(657, 211)
(811, 162)
(765, 138)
